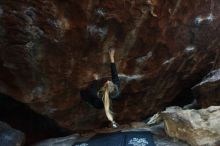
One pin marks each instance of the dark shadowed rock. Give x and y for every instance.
(49, 50)
(10, 136)
(207, 91)
(35, 126)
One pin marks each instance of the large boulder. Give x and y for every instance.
(207, 92)
(50, 48)
(196, 127)
(10, 136)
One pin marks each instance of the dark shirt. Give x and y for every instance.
(90, 93)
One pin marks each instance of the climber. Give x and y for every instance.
(101, 97)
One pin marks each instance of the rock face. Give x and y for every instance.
(196, 127)
(50, 48)
(10, 136)
(207, 92)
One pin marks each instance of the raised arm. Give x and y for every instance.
(114, 73)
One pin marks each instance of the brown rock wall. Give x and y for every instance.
(49, 49)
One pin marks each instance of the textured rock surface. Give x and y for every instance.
(207, 92)
(10, 136)
(197, 127)
(50, 48)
